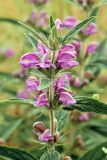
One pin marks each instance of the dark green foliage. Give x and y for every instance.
(16, 101)
(87, 104)
(16, 154)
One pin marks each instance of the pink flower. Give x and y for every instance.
(70, 22)
(42, 49)
(92, 48)
(41, 100)
(67, 57)
(46, 136)
(43, 19)
(9, 53)
(62, 83)
(29, 60)
(90, 29)
(23, 94)
(77, 45)
(66, 98)
(77, 82)
(58, 24)
(32, 84)
(36, 59)
(84, 117)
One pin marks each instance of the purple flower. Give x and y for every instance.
(43, 19)
(42, 49)
(91, 48)
(67, 57)
(90, 29)
(23, 94)
(32, 84)
(29, 60)
(77, 82)
(77, 45)
(33, 16)
(9, 53)
(84, 117)
(41, 100)
(58, 24)
(62, 83)
(37, 59)
(66, 98)
(46, 136)
(70, 22)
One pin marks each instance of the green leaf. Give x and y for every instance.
(53, 155)
(33, 40)
(51, 22)
(101, 61)
(15, 154)
(61, 117)
(45, 83)
(38, 73)
(75, 30)
(16, 101)
(7, 130)
(95, 153)
(9, 20)
(86, 104)
(38, 36)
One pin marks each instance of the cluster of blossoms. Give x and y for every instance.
(89, 30)
(39, 19)
(8, 53)
(65, 58)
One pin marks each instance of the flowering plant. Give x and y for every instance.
(51, 64)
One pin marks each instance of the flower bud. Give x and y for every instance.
(39, 127)
(67, 158)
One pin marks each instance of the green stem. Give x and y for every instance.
(51, 110)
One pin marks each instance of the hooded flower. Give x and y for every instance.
(90, 29)
(32, 84)
(70, 22)
(23, 94)
(46, 136)
(62, 83)
(66, 98)
(84, 117)
(42, 49)
(36, 59)
(58, 24)
(9, 53)
(41, 100)
(91, 48)
(67, 57)
(77, 45)
(29, 60)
